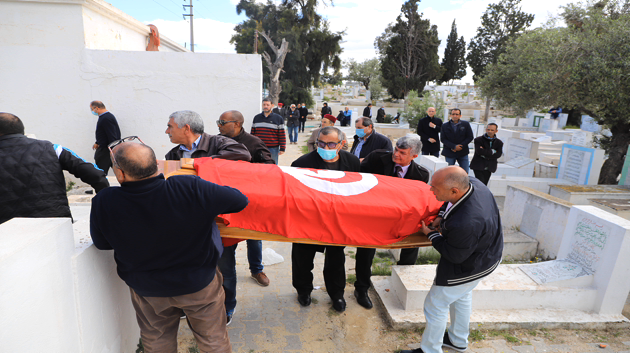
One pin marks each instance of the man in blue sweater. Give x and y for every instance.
(456, 134)
(166, 246)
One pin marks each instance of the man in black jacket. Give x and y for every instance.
(166, 246)
(367, 140)
(367, 111)
(328, 156)
(398, 164)
(456, 135)
(185, 128)
(326, 109)
(293, 124)
(107, 131)
(231, 125)
(303, 113)
(488, 149)
(380, 115)
(31, 174)
(429, 130)
(468, 235)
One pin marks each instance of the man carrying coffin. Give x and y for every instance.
(398, 164)
(328, 156)
(166, 246)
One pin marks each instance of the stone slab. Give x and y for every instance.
(581, 194)
(519, 147)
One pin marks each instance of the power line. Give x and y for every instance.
(167, 9)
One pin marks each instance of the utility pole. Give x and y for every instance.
(192, 36)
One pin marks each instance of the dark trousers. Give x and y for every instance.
(102, 159)
(302, 256)
(483, 175)
(431, 153)
(302, 124)
(364, 258)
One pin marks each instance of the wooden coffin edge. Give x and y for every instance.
(187, 168)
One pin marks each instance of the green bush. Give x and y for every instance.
(416, 107)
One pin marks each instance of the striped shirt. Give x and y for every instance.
(270, 129)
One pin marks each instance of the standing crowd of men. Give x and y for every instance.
(189, 270)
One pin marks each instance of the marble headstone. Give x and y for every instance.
(580, 165)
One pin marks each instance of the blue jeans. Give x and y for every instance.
(438, 303)
(227, 265)
(462, 161)
(293, 133)
(254, 256)
(274, 153)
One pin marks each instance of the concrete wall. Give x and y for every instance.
(60, 292)
(49, 77)
(541, 216)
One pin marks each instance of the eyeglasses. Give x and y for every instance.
(330, 145)
(223, 122)
(112, 145)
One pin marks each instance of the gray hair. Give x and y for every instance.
(328, 130)
(190, 118)
(410, 141)
(365, 121)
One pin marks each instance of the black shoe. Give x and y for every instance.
(229, 319)
(363, 299)
(446, 342)
(304, 299)
(419, 350)
(339, 305)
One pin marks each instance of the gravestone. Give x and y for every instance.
(368, 95)
(522, 148)
(444, 95)
(508, 122)
(446, 116)
(582, 138)
(580, 165)
(537, 118)
(594, 253)
(589, 124)
(495, 120)
(477, 115)
(542, 139)
(625, 171)
(519, 162)
(562, 120)
(548, 124)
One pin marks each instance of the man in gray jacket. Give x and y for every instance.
(185, 128)
(467, 233)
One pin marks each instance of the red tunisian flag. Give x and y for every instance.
(325, 205)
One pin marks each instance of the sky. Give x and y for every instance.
(363, 20)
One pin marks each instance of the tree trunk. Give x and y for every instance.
(617, 148)
(485, 117)
(275, 67)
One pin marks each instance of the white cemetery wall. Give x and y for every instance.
(522, 148)
(580, 165)
(600, 243)
(537, 214)
(140, 88)
(37, 301)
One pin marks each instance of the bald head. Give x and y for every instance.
(10, 124)
(450, 183)
(233, 123)
(136, 160)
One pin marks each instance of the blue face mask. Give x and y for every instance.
(326, 154)
(360, 133)
(95, 113)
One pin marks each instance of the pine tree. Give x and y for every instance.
(454, 61)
